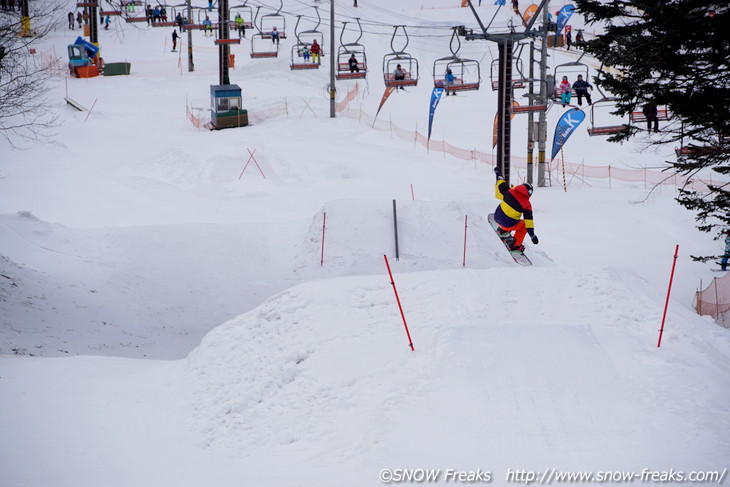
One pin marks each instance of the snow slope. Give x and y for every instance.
(187, 328)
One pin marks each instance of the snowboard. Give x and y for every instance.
(517, 256)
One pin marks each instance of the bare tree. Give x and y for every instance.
(24, 114)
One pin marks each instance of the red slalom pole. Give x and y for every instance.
(466, 218)
(410, 342)
(324, 220)
(671, 278)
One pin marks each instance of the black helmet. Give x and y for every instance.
(528, 186)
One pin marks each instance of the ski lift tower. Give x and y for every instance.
(505, 43)
(226, 110)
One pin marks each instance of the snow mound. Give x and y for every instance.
(329, 360)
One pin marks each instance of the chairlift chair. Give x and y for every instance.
(408, 64)
(244, 11)
(346, 51)
(519, 80)
(599, 127)
(170, 22)
(573, 68)
(639, 117)
(467, 75)
(139, 15)
(261, 45)
(297, 60)
(110, 12)
(269, 21)
(200, 17)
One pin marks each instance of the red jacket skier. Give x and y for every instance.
(508, 215)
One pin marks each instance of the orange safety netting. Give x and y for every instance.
(714, 300)
(582, 171)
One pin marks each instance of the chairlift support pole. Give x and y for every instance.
(333, 59)
(505, 43)
(224, 49)
(530, 115)
(191, 66)
(544, 95)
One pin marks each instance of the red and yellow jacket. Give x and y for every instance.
(515, 203)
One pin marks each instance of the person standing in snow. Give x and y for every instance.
(174, 40)
(508, 215)
(568, 39)
(71, 20)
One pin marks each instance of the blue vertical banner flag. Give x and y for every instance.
(563, 17)
(565, 127)
(436, 95)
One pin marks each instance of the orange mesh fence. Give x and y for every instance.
(714, 300)
(578, 170)
(458, 152)
(342, 104)
(193, 119)
(267, 113)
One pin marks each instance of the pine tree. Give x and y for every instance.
(673, 54)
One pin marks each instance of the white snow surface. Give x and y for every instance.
(168, 321)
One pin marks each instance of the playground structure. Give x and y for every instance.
(82, 59)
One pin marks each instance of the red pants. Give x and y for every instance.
(520, 231)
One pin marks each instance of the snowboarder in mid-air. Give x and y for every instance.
(508, 215)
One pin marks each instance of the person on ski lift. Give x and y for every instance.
(274, 36)
(352, 62)
(240, 26)
(449, 79)
(508, 215)
(651, 113)
(565, 93)
(581, 89)
(399, 75)
(316, 51)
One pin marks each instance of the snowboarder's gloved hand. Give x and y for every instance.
(534, 239)
(498, 173)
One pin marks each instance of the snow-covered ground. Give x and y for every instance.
(167, 320)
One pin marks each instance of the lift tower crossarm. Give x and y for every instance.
(505, 42)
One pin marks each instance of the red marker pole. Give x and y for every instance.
(324, 221)
(671, 278)
(466, 218)
(410, 342)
